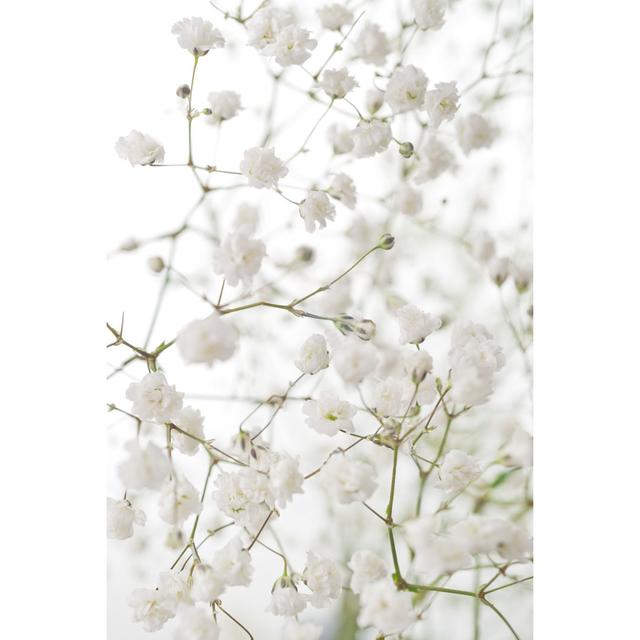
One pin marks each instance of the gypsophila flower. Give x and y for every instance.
(285, 478)
(436, 159)
(388, 397)
(429, 14)
(224, 105)
(265, 26)
(207, 340)
(324, 578)
(334, 16)
(313, 356)
(407, 200)
(178, 500)
(316, 209)
(367, 567)
(373, 100)
(457, 471)
(329, 414)
(372, 45)
(355, 360)
(206, 583)
(437, 555)
(293, 45)
(417, 365)
(337, 82)
(121, 516)
(406, 89)
(521, 270)
(294, 630)
(154, 399)
(190, 421)
(340, 138)
(348, 480)
(262, 167)
(385, 608)
(441, 103)
(145, 468)
(342, 188)
(197, 623)
(239, 256)
(285, 599)
(474, 132)
(246, 218)
(415, 324)
(150, 609)
(197, 35)
(499, 268)
(485, 534)
(139, 148)
(370, 138)
(232, 563)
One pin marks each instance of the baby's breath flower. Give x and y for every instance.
(197, 35)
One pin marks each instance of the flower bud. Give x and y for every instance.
(156, 264)
(183, 91)
(365, 329)
(129, 245)
(499, 270)
(206, 111)
(304, 254)
(344, 323)
(406, 149)
(386, 242)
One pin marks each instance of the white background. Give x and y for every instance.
(60, 80)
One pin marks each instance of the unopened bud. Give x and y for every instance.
(499, 270)
(156, 264)
(129, 245)
(365, 329)
(304, 254)
(405, 149)
(206, 111)
(386, 242)
(344, 323)
(183, 91)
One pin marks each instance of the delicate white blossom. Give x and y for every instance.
(348, 480)
(265, 26)
(239, 256)
(340, 138)
(342, 188)
(293, 45)
(285, 478)
(139, 148)
(337, 82)
(429, 14)
(370, 138)
(367, 567)
(436, 159)
(385, 608)
(145, 468)
(197, 35)
(190, 421)
(121, 516)
(262, 167)
(313, 356)
(335, 16)
(285, 599)
(329, 414)
(406, 89)
(196, 623)
(372, 45)
(316, 209)
(207, 340)
(324, 578)
(224, 105)
(442, 103)
(355, 360)
(457, 470)
(154, 399)
(415, 324)
(178, 500)
(474, 132)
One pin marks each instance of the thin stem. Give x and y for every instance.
(226, 613)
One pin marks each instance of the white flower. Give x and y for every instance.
(197, 624)
(154, 399)
(388, 397)
(442, 103)
(145, 468)
(474, 132)
(355, 360)
(316, 208)
(337, 82)
(313, 356)
(174, 589)
(294, 630)
(372, 45)
(429, 13)
(139, 148)
(499, 268)
(384, 607)
(232, 563)
(178, 500)
(121, 516)
(436, 158)
(239, 256)
(373, 100)
(348, 480)
(415, 324)
(197, 35)
(323, 576)
(483, 247)
(367, 567)
(442, 554)
(521, 270)
(265, 26)
(406, 89)
(484, 534)
(370, 138)
(189, 420)
(224, 105)
(419, 530)
(246, 218)
(474, 359)
(457, 471)
(206, 583)
(293, 45)
(244, 496)
(150, 609)
(417, 365)
(342, 188)
(262, 167)
(285, 599)
(340, 138)
(285, 478)
(207, 340)
(407, 200)
(334, 16)
(329, 414)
